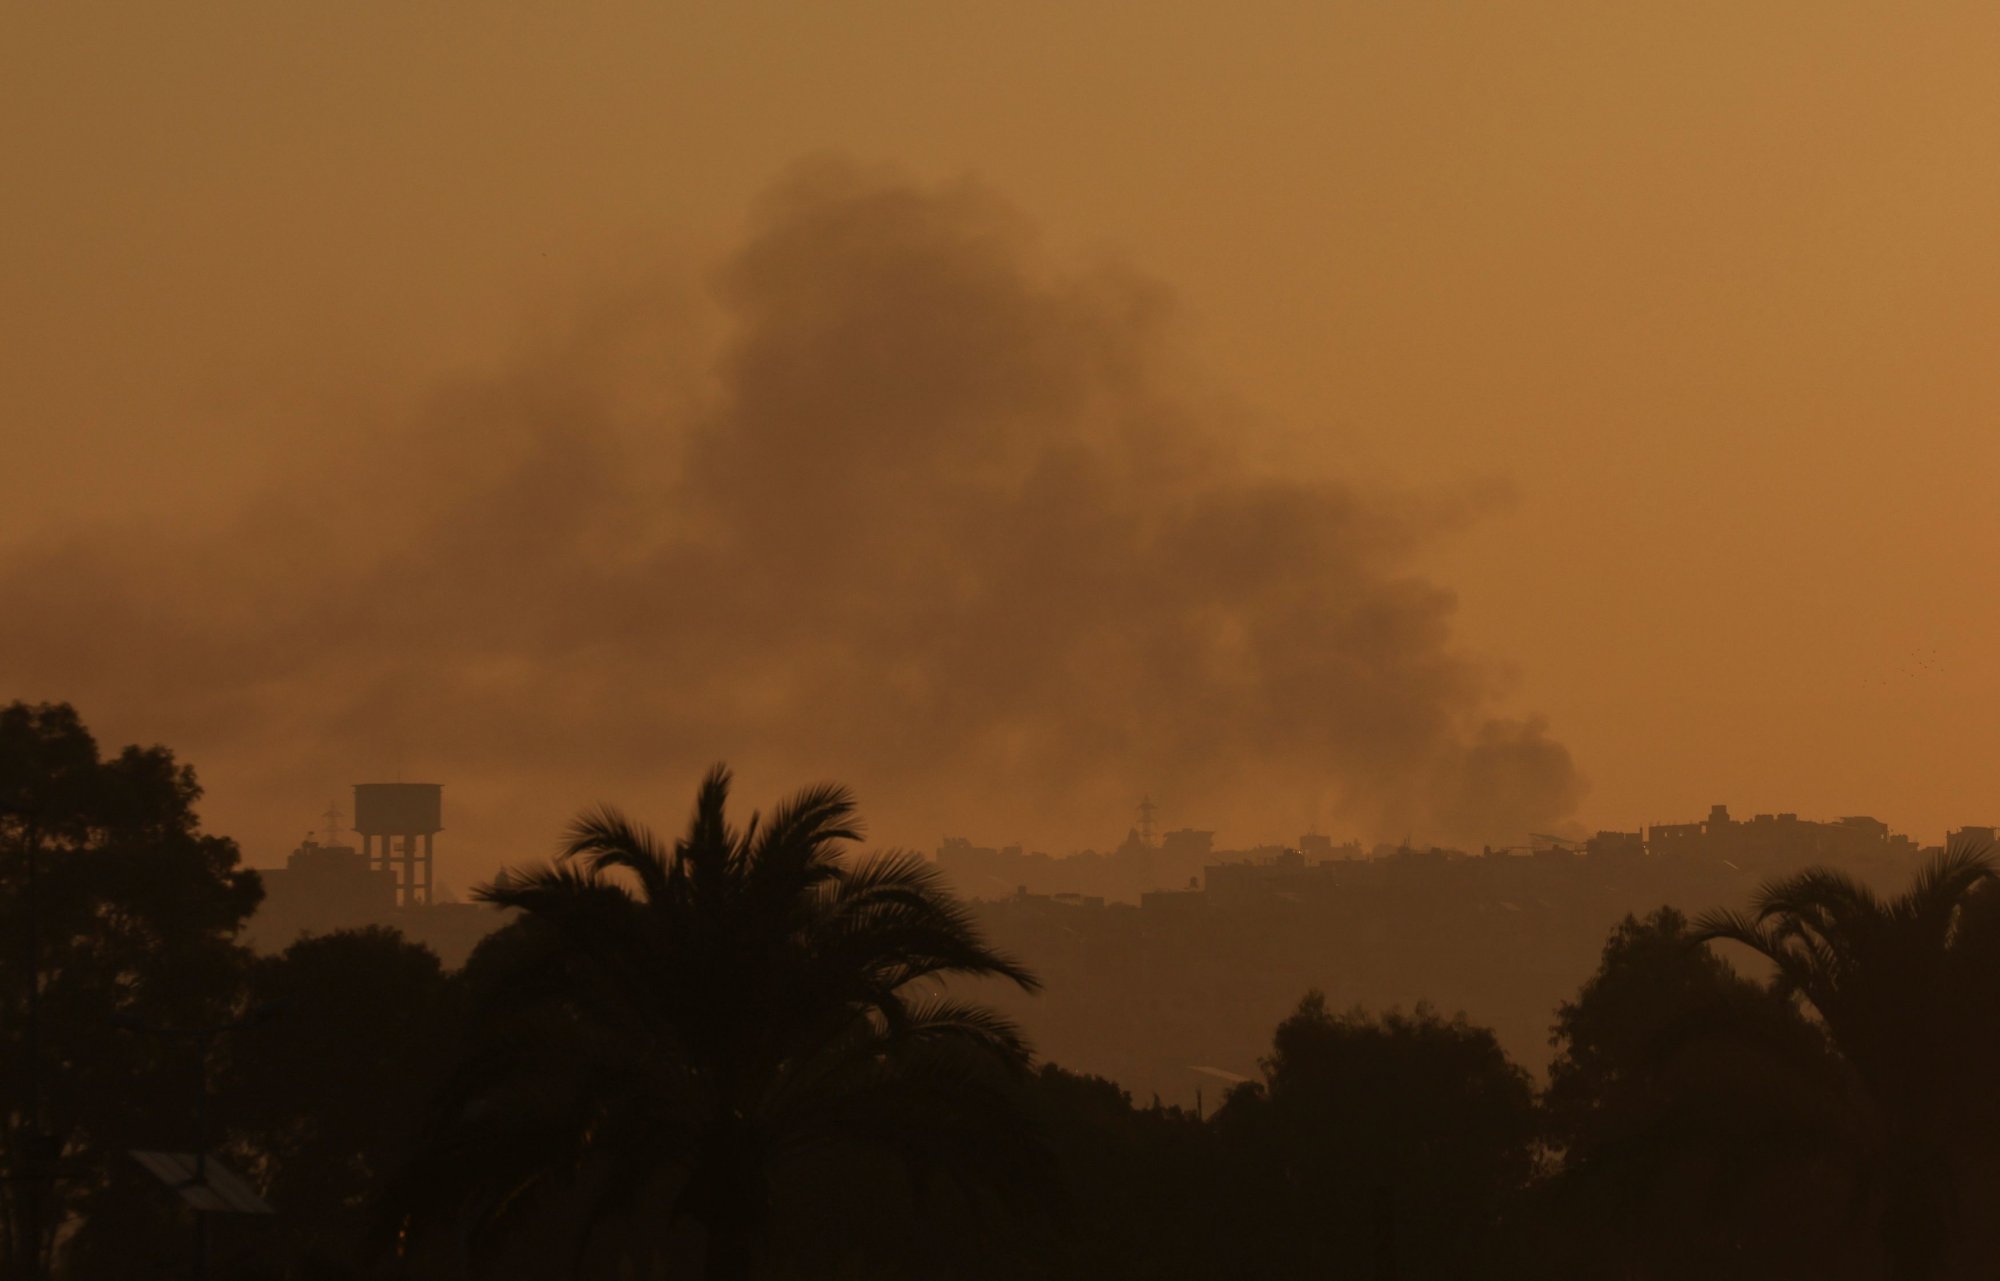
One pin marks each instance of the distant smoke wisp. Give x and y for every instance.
(940, 524)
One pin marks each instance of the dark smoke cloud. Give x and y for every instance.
(942, 521)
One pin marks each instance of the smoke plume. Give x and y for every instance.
(942, 519)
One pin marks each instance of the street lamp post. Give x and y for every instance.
(204, 1038)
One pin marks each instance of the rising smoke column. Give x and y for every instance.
(942, 521)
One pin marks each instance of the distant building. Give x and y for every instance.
(1776, 844)
(1186, 843)
(1124, 874)
(324, 887)
(334, 886)
(1191, 899)
(1284, 871)
(1616, 845)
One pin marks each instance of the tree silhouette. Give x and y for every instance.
(1903, 989)
(1698, 1123)
(1377, 1146)
(111, 898)
(688, 1028)
(323, 1105)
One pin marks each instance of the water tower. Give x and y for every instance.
(386, 813)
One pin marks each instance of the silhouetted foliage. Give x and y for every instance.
(324, 1105)
(115, 898)
(1697, 1122)
(735, 1055)
(692, 1031)
(1145, 1190)
(1379, 1147)
(1904, 989)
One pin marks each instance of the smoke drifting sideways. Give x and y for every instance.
(941, 519)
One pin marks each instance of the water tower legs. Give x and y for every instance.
(397, 814)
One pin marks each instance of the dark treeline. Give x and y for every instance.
(732, 1054)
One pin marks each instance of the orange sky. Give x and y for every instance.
(1710, 291)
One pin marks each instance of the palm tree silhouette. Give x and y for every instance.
(1902, 989)
(685, 1024)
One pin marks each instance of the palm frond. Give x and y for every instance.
(1820, 892)
(604, 838)
(895, 869)
(1940, 887)
(1729, 925)
(821, 812)
(978, 1025)
(797, 856)
(530, 887)
(896, 907)
(709, 847)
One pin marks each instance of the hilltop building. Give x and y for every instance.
(328, 884)
(1777, 844)
(1199, 970)
(1140, 863)
(323, 887)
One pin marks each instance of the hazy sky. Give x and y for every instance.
(438, 389)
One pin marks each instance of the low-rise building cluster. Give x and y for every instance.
(1156, 985)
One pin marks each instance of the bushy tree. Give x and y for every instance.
(1696, 1124)
(1380, 1147)
(111, 898)
(1144, 1191)
(323, 1106)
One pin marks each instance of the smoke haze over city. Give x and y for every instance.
(1090, 642)
(1591, 379)
(948, 520)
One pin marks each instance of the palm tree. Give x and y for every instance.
(684, 1025)
(1902, 988)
